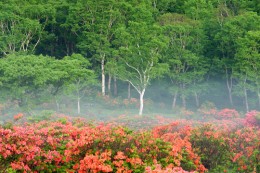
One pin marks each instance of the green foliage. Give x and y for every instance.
(44, 115)
(213, 150)
(189, 42)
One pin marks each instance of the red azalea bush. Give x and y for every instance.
(227, 150)
(210, 144)
(244, 145)
(69, 147)
(178, 134)
(227, 113)
(18, 116)
(252, 118)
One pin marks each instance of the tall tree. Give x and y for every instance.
(25, 76)
(93, 22)
(140, 56)
(184, 53)
(81, 78)
(231, 29)
(247, 66)
(22, 25)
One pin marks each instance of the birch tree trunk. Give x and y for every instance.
(229, 82)
(183, 97)
(197, 99)
(115, 86)
(109, 84)
(245, 95)
(103, 75)
(246, 100)
(141, 102)
(78, 105)
(258, 94)
(129, 91)
(57, 104)
(174, 99)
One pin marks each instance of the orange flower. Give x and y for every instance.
(18, 116)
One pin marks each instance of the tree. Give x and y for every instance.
(81, 78)
(94, 22)
(58, 39)
(139, 60)
(22, 25)
(231, 29)
(25, 76)
(247, 66)
(71, 71)
(183, 55)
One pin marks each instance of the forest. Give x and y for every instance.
(150, 86)
(176, 53)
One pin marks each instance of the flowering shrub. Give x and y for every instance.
(222, 150)
(179, 136)
(207, 109)
(208, 112)
(227, 113)
(244, 145)
(252, 118)
(186, 112)
(210, 145)
(132, 102)
(18, 116)
(69, 147)
(75, 145)
(169, 169)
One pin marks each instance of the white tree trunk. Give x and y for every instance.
(57, 104)
(103, 75)
(174, 99)
(129, 91)
(109, 84)
(246, 100)
(141, 102)
(245, 94)
(229, 86)
(183, 97)
(115, 86)
(197, 99)
(258, 94)
(78, 105)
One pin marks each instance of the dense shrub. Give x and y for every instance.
(210, 145)
(68, 144)
(227, 113)
(61, 147)
(225, 150)
(253, 118)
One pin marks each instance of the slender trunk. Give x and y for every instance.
(78, 105)
(183, 97)
(141, 102)
(258, 94)
(109, 84)
(174, 99)
(246, 99)
(129, 91)
(197, 99)
(245, 94)
(230, 95)
(103, 75)
(115, 86)
(229, 82)
(183, 101)
(57, 104)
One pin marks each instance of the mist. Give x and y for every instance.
(158, 101)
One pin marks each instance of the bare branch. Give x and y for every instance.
(141, 79)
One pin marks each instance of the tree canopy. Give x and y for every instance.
(192, 45)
